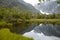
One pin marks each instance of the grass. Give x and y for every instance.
(56, 21)
(5, 34)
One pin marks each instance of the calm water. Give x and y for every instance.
(44, 32)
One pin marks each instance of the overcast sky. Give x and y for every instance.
(33, 2)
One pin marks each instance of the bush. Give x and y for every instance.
(3, 24)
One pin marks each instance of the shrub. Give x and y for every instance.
(3, 24)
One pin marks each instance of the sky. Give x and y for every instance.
(33, 2)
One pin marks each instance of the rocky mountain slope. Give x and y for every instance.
(17, 3)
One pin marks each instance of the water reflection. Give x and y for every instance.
(45, 32)
(48, 29)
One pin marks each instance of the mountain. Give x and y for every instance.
(49, 7)
(19, 3)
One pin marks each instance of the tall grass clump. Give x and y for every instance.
(5, 34)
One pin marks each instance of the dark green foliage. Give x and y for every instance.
(39, 0)
(14, 19)
(58, 1)
(51, 16)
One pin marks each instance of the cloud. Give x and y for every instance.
(32, 2)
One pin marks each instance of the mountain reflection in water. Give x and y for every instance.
(44, 32)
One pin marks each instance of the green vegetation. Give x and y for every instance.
(52, 21)
(58, 1)
(5, 34)
(15, 19)
(44, 16)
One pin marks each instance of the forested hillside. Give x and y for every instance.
(17, 3)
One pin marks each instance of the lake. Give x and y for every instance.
(44, 32)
